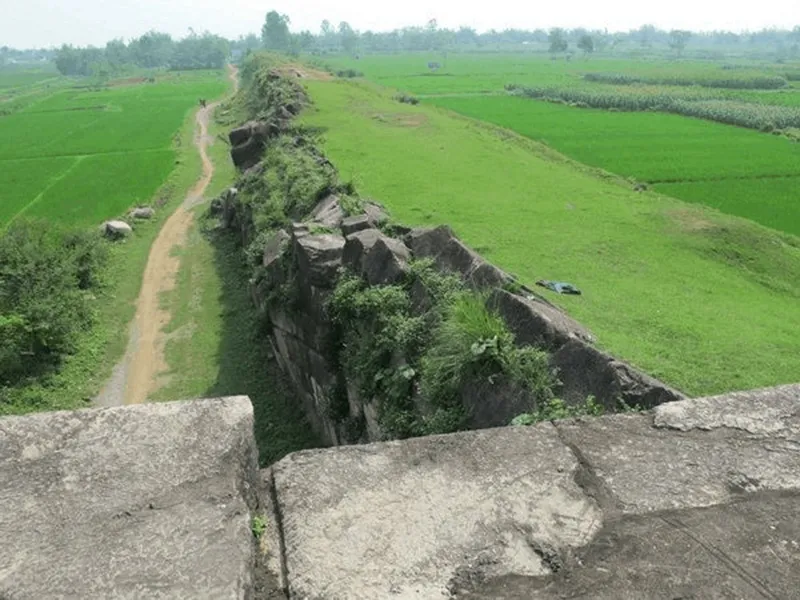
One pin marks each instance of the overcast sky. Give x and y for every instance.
(42, 23)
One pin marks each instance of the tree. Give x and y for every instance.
(153, 49)
(678, 38)
(586, 43)
(275, 32)
(206, 51)
(348, 37)
(117, 54)
(558, 41)
(646, 35)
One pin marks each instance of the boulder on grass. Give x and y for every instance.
(117, 229)
(143, 212)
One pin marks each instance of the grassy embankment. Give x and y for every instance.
(704, 301)
(98, 350)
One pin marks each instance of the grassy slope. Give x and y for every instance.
(706, 302)
(215, 348)
(85, 372)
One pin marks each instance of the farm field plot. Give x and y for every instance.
(96, 151)
(663, 280)
(732, 162)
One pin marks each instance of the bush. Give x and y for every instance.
(46, 278)
(349, 73)
(407, 99)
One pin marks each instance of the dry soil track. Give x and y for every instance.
(137, 376)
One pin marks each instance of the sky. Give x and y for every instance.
(45, 23)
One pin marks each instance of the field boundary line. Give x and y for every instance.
(78, 160)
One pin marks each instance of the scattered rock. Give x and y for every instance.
(117, 229)
(640, 187)
(247, 142)
(379, 258)
(143, 212)
(275, 247)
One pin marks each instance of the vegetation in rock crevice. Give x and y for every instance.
(415, 345)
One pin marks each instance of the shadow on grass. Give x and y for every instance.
(246, 366)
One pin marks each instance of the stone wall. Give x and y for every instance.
(310, 257)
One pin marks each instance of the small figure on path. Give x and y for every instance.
(203, 102)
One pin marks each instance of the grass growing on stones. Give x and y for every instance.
(683, 292)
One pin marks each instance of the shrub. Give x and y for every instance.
(349, 73)
(407, 99)
(46, 278)
(556, 409)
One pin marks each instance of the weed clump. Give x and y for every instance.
(416, 345)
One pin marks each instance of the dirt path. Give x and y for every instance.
(137, 375)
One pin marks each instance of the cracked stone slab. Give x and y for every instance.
(692, 453)
(147, 501)
(748, 549)
(767, 411)
(425, 517)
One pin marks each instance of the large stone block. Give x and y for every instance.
(586, 371)
(537, 323)
(319, 258)
(423, 517)
(149, 501)
(379, 258)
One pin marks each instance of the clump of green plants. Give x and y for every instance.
(764, 117)
(48, 277)
(732, 82)
(419, 343)
(349, 73)
(407, 99)
(556, 409)
(258, 526)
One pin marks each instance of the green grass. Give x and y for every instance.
(85, 372)
(121, 140)
(706, 302)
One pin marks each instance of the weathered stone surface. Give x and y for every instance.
(422, 517)
(328, 212)
(319, 258)
(699, 453)
(451, 254)
(355, 223)
(275, 247)
(143, 212)
(117, 229)
(379, 258)
(745, 549)
(586, 371)
(150, 501)
(494, 403)
(247, 142)
(257, 129)
(376, 213)
(537, 323)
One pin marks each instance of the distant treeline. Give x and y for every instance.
(153, 49)
(275, 35)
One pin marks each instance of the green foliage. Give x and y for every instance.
(292, 182)
(46, 275)
(349, 73)
(764, 117)
(265, 93)
(258, 526)
(275, 32)
(743, 81)
(556, 409)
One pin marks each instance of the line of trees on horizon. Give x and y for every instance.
(276, 35)
(151, 50)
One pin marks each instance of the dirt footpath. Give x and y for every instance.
(137, 375)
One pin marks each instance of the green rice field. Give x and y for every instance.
(84, 154)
